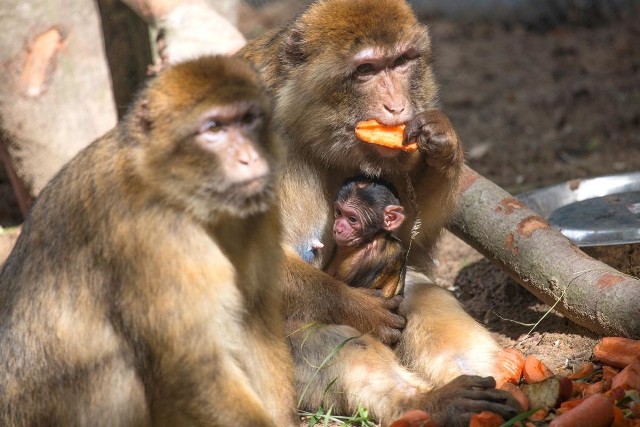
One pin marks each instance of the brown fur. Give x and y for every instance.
(143, 288)
(367, 253)
(375, 265)
(311, 66)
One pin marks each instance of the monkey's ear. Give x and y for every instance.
(393, 217)
(293, 49)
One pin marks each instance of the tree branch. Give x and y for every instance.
(541, 259)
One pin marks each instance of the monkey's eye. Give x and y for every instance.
(365, 69)
(337, 213)
(249, 118)
(401, 60)
(353, 219)
(211, 126)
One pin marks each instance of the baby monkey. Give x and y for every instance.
(368, 253)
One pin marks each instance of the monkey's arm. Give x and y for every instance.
(436, 177)
(311, 295)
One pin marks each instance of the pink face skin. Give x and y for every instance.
(347, 227)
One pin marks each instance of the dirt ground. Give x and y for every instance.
(532, 108)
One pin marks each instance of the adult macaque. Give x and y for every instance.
(339, 63)
(367, 253)
(143, 288)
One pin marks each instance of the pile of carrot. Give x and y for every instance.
(605, 393)
(602, 393)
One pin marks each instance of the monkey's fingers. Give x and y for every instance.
(397, 321)
(502, 409)
(416, 128)
(473, 382)
(389, 336)
(436, 138)
(393, 303)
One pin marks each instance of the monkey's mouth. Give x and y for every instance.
(253, 186)
(387, 153)
(249, 197)
(243, 191)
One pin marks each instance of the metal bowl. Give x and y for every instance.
(601, 215)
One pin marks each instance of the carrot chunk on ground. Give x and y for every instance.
(617, 351)
(414, 418)
(629, 377)
(534, 371)
(583, 371)
(594, 411)
(486, 419)
(511, 362)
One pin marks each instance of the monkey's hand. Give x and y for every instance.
(376, 315)
(454, 403)
(311, 295)
(436, 138)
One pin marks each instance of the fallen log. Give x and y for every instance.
(587, 291)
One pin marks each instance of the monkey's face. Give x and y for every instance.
(231, 143)
(350, 63)
(208, 145)
(350, 224)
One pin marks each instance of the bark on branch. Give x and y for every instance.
(590, 293)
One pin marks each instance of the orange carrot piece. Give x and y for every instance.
(517, 394)
(486, 419)
(616, 393)
(619, 419)
(635, 409)
(583, 371)
(388, 136)
(570, 404)
(594, 411)
(510, 362)
(414, 418)
(629, 377)
(609, 372)
(579, 387)
(595, 388)
(534, 370)
(539, 415)
(617, 351)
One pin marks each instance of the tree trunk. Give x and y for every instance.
(184, 29)
(590, 293)
(55, 96)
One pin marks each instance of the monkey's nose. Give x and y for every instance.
(249, 164)
(395, 108)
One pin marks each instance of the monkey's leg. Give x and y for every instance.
(269, 365)
(441, 341)
(209, 391)
(340, 368)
